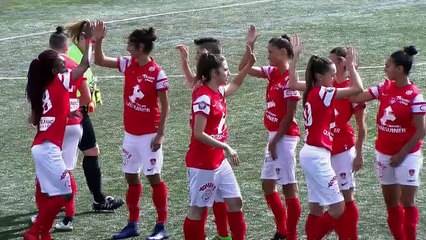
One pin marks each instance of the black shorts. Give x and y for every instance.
(88, 140)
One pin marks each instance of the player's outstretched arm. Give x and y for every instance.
(232, 87)
(184, 61)
(251, 40)
(294, 82)
(100, 58)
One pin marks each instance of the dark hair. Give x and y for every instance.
(404, 58)
(315, 65)
(206, 64)
(283, 42)
(40, 75)
(144, 36)
(210, 44)
(58, 40)
(339, 51)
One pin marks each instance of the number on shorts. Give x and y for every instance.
(307, 114)
(47, 104)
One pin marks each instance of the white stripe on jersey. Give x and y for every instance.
(418, 105)
(123, 63)
(326, 94)
(162, 84)
(267, 70)
(66, 79)
(202, 104)
(375, 91)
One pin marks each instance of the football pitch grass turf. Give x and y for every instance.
(375, 28)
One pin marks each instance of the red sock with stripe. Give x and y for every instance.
(133, 196)
(411, 219)
(276, 205)
(395, 222)
(159, 197)
(294, 210)
(220, 211)
(194, 229)
(237, 225)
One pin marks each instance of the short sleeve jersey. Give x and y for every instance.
(277, 96)
(140, 96)
(74, 101)
(343, 133)
(56, 108)
(212, 105)
(394, 120)
(319, 116)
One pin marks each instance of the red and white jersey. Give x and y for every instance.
(395, 115)
(56, 108)
(277, 95)
(343, 133)
(319, 117)
(140, 96)
(212, 105)
(74, 101)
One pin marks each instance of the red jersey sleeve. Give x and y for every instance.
(375, 91)
(65, 78)
(201, 105)
(418, 105)
(327, 95)
(267, 71)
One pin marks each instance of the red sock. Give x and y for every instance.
(47, 214)
(411, 219)
(277, 208)
(38, 194)
(237, 225)
(324, 225)
(220, 212)
(294, 210)
(194, 229)
(70, 206)
(350, 218)
(133, 196)
(395, 222)
(159, 197)
(310, 226)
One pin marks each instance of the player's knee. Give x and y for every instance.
(132, 178)
(268, 186)
(196, 213)
(315, 209)
(336, 210)
(154, 179)
(94, 151)
(234, 204)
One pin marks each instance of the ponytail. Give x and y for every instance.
(316, 65)
(206, 64)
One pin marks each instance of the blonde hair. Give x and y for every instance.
(74, 30)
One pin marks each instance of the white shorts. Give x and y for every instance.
(342, 166)
(72, 137)
(50, 169)
(282, 169)
(208, 186)
(405, 174)
(321, 179)
(137, 155)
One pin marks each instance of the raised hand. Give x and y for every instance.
(251, 36)
(296, 44)
(87, 30)
(99, 30)
(351, 56)
(184, 51)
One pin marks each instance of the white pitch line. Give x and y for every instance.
(150, 16)
(180, 75)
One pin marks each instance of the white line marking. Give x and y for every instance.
(180, 75)
(150, 16)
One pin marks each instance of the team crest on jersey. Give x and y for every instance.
(343, 175)
(153, 161)
(202, 105)
(409, 92)
(151, 69)
(411, 172)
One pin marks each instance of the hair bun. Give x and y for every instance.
(285, 36)
(410, 50)
(151, 34)
(59, 29)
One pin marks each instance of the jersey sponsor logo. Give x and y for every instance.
(45, 123)
(270, 104)
(396, 129)
(148, 78)
(399, 99)
(271, 117)
(137, 94)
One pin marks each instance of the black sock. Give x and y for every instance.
(92, 172)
